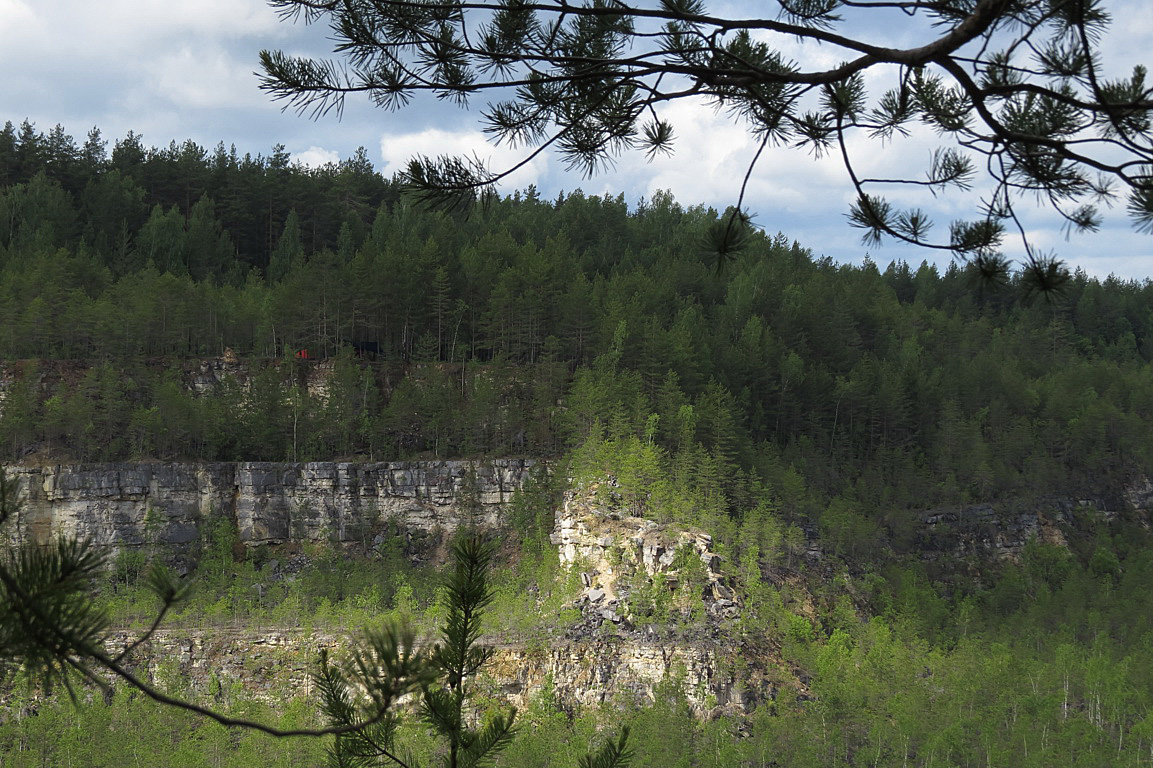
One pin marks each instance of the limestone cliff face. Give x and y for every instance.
(600, 672)
(1001, 529)
(619, 553)
(616, 653)
(131, 504)
(167, 504)
(610, 657)
(274, 665)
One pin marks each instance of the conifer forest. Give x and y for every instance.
(807, 414)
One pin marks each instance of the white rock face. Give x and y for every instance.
(595, 533)
(122, 505)
(133, 504)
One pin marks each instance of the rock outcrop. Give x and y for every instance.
(1001, 529)
(620, 555)
(167, 504)
(279, 664)
(629, 566)
(592, 673)
(605, 659)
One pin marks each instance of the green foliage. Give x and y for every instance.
(46, 614)
(1105, 562)
(1046, 565)
(1037, 676)
(130, 728)
(847, 531)
(611, 754)
(783, 378)
(360, 698)
(1046, 122)
(783, 399)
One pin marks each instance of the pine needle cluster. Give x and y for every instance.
(53, 633)
(1017, 88)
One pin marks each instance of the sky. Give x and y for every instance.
(172, 71)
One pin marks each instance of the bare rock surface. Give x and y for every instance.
(132, 504)
(619, 554)
(1001, 529)
(279, 663)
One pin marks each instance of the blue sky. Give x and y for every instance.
(175, 71)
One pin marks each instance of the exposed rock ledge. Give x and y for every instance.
(275, 665)
(132, 504)
(618, 553)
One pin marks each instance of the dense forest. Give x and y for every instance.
(777, 400)
(514, 328)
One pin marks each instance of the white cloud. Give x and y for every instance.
(15, 11)
(1127, 40)
(195, 53)
(157, 20)
(712, 155)
(18, 22)
(710, 158)
(204, 76)
(314, 157)
(176, 70)
(396, 149)
(111, 31)
(1134, 267)
(215, 17)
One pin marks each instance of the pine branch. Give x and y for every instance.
(587, 77)
(611, 754)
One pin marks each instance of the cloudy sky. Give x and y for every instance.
(185, 70)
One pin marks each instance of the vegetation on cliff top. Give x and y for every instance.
(781, 401)
(520, 328)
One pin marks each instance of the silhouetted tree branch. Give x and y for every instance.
(1015, 84)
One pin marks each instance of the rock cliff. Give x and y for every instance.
(273, 665)
(636, 573)
(629, 564)
(1001, 529)
(167, 504)
(131, 504)
(614, 655)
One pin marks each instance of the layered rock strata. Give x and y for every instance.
(133, 504)
(619, 554)
(1001, 529)
(275, 665)
(168, 504)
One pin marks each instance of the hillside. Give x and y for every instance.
(929, 501)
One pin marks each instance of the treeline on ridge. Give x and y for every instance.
(526, 326)
(783, 402)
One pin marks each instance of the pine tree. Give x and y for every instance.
(52, 631)
(289, 251)
(442, 674)
(1015, 87)
(8, 155)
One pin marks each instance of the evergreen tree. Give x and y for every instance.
(1017, 88)
(289, 251)
(161, 241)
(207, 247)
(93, 155)
(30, 152)
(9, 148)
(114, 210)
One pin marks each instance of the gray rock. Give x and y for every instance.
(167, 504)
